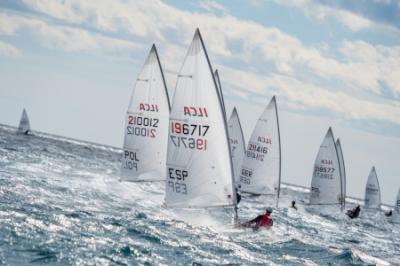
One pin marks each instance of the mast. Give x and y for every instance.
(280, 154)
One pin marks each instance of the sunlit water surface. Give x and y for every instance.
(61, 203)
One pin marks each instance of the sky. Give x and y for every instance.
(73, 63)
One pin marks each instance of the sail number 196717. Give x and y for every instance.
(189, 136)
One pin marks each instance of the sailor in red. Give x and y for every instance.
(263, 220)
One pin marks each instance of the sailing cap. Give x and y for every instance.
(269, 210)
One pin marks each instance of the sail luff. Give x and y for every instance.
(162, 75)
(219, 87)
(342, 171)
(280, 153)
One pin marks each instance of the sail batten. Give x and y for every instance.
(146, 125)
(326, 186)
(372, 191)
(24, 126)
(199, 167)
(261, 166)
(219, 87)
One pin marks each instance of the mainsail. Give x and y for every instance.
(199, 166)
(237, 144)
(146, 130)
(342, 171)
(24, 126)
(326, 187)
(396, 211)
(261, 166)
(372, 191)
(221, 96)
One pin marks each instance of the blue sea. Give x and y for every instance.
(61, 203)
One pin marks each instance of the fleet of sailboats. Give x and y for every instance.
(203, 158)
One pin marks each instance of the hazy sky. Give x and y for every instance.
(73, 63)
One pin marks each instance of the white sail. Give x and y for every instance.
(372, 191)
(326, 183)
(221, 96)
(199, 167)
(146, 125)
(396, 211)
(237, 144)
(261, 166)
(24, 125)
(342, 171)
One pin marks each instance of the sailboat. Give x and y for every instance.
(372, 191)
(396, 211)
(261, 166)
(146, 125)
(199, 166)
(326, 184)
(221, 96)
(237, 144)
(342, 172)
(24, 125)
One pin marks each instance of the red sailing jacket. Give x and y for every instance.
(265, 221)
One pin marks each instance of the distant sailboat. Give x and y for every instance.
(146, 125)
(396, 211)
(199, 166)
(372, 191)
(237, 143)
(326, 184)
(24, 125)
(342, 171)
(219, 87)
(261, 166)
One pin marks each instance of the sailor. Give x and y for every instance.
(262, 220)
(238, 195)
(294, 205)
(389, 213)
(354, 213)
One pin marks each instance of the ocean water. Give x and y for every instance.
(61, 203)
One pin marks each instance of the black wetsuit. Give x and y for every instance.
(354, 213)
(389, 213)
